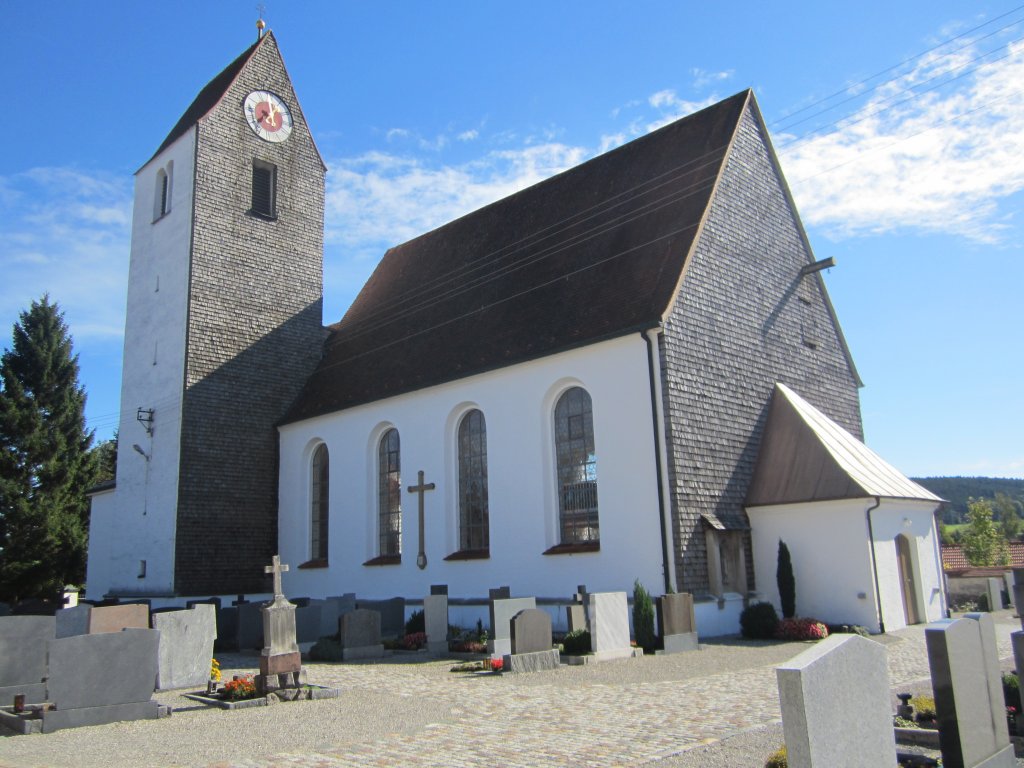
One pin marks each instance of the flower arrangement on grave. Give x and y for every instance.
(241, 687)
(497, 665)
(414, 641)
(215, 675)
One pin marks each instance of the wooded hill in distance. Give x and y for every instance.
(957, 490)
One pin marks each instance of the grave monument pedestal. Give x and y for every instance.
(280, 660)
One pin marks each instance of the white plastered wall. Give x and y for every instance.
(137, 521)
(518, 405)
(829, 545)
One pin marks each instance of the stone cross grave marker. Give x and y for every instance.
(967, 684)
(277, 569)
(421, 488)
(280, 657)
(835, 705)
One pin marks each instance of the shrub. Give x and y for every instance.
(1011, 689)
(416, 623)
(801, 629)
(777, 759)
(786, 581)
(758, 621)
(902, 722)
(924, 706)
(576, 643)
(643, 617)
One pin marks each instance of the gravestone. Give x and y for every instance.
(531, 643)
(333, 609)
(101, 678)
(114, 618)
(360, 635)
(1008, 584)
(392, 615)
(308, 615)
(1017, 641)
(23, 642)
(995, 594)
(499, 593)
(186, 645)
(435, 621)
(280, 660)
(250, 626)
(216, 603)
(5, 609)
(967, 684)
(609, 626)
(1018, 593)
(677, 626)
(835, 705)
(575, 617)
(73, 621)
(227, 629)
(499, 642)
(439, 589)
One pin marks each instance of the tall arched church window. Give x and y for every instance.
(576, 462)
(389, 493)
(319, 504)
(473, 517)
(162, 193)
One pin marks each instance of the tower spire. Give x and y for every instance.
(260, 23)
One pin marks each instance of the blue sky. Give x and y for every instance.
(424, 111)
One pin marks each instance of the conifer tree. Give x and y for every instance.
(786, 581)
(46, 466)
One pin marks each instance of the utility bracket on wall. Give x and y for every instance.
(145, 417)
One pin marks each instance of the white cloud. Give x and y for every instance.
(940, 161)
(702, 78)
(66, 233)
(672, 107)
(469, 135)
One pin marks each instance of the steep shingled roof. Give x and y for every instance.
(209, 96)
(805, 456)
(592, 253)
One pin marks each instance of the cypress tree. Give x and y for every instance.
(786, 582)
(46, 465)
(643, 617)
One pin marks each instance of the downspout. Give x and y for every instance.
(658, 424)
(874, 565)
(937, 546)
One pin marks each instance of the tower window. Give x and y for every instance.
(264, 189)
(162, 194)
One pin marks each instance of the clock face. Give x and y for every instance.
(268, 116)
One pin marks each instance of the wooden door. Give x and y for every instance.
(907, 585)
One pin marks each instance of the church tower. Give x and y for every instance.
(223, 326)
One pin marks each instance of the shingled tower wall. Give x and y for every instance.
(253, 333)
(743, 319)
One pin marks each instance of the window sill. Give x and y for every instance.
(574, 549)
(470, 554)
(262, 216)
(385, 560)
(162, 216)
(319, 563)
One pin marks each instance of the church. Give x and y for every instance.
(629, 371)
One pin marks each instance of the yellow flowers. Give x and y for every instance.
(215, 670)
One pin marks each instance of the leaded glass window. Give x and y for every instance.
(577, 467)
(473, 521)
(319, 504)
(389, 493)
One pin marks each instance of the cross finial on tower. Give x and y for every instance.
(260, 23)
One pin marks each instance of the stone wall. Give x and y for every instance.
(254, 335)
(743, 319)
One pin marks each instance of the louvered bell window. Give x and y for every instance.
(264, 189)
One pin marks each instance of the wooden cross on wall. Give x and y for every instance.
(277, 569)
(421, 488)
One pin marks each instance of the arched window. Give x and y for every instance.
(473, 521)
(319, 505)
(389, 493)
(576, 463)
(162, 197)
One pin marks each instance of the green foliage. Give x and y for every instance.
(643, 617)
(576, 643)
(759, 621)
(960, 490)
(1010, 515)
(1011, 690)
(786, 581)
(46, 466)
(924, 706)
(983, 544)
(416, 623)
(105, 456)
(777, 759)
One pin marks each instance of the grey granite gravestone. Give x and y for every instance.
(114, 618)
(250, 626)
(227, 629)
(333, 609)
(392, 615)
(308, 616)
(1017, 641)
(531, 643)
(360, 635)
(102, 678)
(1008, 585)
(23, 642)
(186, 645)
(575, 617)
(995, 594)
(499, 642)
(435, 621)
(73, 621)
(499, 593)
(967, 685)
(835, 705)
(439, 589)
(677, 626)
(609, 626)
(1018, 593)
(5, 609)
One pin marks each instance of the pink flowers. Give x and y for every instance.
(801, 629)
(414, 641)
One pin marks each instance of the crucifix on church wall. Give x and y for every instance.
(421, 488)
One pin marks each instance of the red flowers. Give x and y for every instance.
(801, 629)
(497, 665)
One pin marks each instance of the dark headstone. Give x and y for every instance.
(308, 620)
(501, 612)
(675, 614)
(73, 621)
(531, 631)
(392, 615)
(500, 593)
(250, 626)
(227, 629)
(5, 609)
(332, 610)
(23, 642)
(439, 589)
(360, 635)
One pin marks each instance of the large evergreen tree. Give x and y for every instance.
(45, 462)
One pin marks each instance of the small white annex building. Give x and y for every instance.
(862, 536)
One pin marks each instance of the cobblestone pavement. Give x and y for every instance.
(410, 712)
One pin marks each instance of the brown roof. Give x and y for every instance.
(209, 96)
(954, 560)
(591, 254)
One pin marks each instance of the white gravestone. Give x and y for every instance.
(995, 594)
(435, 621)
(609, 625)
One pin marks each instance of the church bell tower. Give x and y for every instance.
(223, 326)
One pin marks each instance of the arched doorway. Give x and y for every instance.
(908, 585)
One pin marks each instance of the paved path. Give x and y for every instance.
(407, 712)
